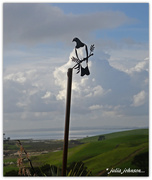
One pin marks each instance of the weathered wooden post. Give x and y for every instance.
(67, 121)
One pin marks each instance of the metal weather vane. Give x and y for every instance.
(81, 61)
(79, 48)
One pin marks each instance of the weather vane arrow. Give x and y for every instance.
(81, 61)
(81, 49)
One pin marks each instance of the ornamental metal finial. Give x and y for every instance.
(81, 51)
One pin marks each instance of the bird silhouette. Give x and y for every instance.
(81, 51)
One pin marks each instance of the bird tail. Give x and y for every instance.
(85, 71)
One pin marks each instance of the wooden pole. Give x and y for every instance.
(67, 120)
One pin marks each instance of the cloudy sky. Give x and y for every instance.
(37, 51)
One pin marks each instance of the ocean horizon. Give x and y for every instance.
(58, 134)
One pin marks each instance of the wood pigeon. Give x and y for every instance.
(81, 52)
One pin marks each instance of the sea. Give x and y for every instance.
(58, 133)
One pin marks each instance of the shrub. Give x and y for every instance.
(78, 169)
(142, 162)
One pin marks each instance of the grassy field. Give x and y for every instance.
(118, 150)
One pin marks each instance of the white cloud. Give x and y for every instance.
(140, 66)
(95, 107)
(106, 94)
(29, 89)
(21, 104)
(36, 23)
(129, 60)
(98, 91)
(82, 86)
(60, 79)
(139, 99)
(46, 95)
(108, 110)
(18, 77)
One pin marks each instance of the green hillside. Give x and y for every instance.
(118, 150)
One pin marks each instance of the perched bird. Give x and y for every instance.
(81, 52)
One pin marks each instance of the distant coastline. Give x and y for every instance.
(58, 134)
